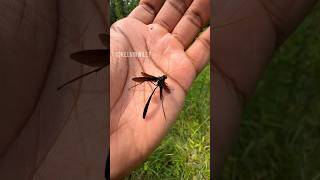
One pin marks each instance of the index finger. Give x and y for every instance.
(147, 10)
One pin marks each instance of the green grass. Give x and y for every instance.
(185, 152)
(280, 131)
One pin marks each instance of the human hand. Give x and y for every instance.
(246, 34)
(45, 133)
(167, 33)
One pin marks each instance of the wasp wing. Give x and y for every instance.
(143, 79)
(95, 58)
(166, 88)
(149, 76)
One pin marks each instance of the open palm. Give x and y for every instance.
(45, 133)
(246, 35)
(166, 41)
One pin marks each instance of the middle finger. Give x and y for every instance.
(171, 12)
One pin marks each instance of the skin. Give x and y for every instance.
(45, 133)
(167, 32)
(246, 34)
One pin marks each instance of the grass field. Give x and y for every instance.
(280, 131)
(185, 152)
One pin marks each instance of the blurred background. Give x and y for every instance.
(185, 152)
(280, 131)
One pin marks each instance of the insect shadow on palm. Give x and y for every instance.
(159, 82)
(98, 58)
(95, 58)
